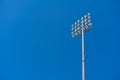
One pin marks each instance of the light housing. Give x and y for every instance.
(84, 23)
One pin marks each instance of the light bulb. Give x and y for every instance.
(85, 20)
(89, 21)
(78, 21)
(85, 16)
(85, 23)
(75, 23)
(81, 18)
(88, 14)
(90, 24)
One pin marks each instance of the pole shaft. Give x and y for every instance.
(83, 56)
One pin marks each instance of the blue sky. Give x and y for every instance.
(36, 42)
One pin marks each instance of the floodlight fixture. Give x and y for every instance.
(78, 29)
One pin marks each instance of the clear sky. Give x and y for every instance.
(36, 42)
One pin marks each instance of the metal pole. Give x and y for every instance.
(78, 29)
(83, 55)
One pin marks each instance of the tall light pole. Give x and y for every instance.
(78, 29)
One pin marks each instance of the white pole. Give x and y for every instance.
(86, 24)
(83, 55)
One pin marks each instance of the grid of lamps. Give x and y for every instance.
(84, 23)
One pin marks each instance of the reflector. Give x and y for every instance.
(78, 28)
(75, 23)
(78, 21)
(76, 34)
(81, 18)
(90, 24)
(75, 30)
(85, 23)
(89, 21)
(85, 16)
(88, 14)
(85, 19)
(89, 17)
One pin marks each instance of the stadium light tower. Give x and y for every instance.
(78, 29)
